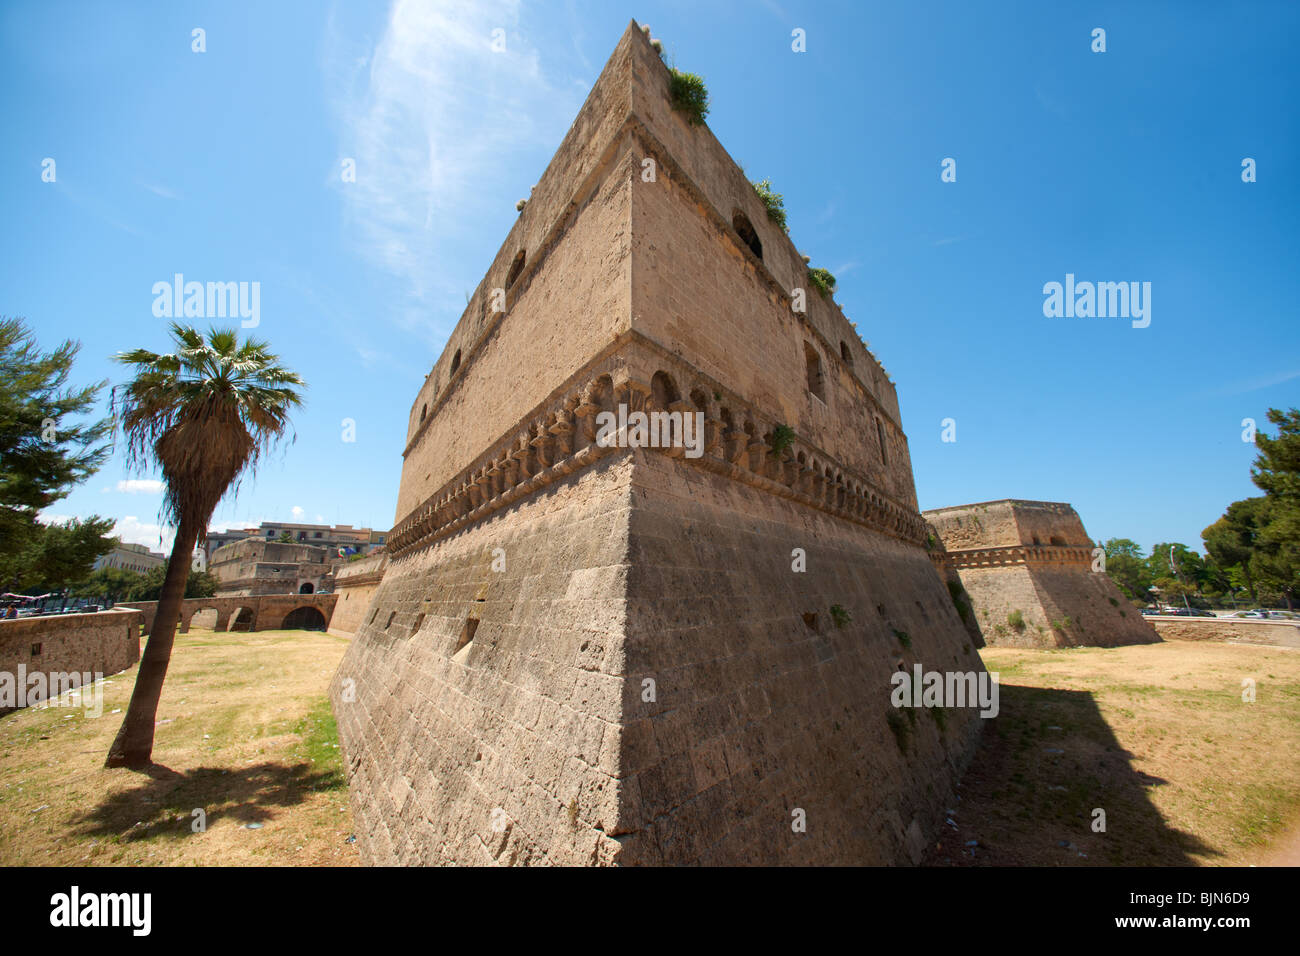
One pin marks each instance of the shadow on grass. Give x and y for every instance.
(163, 804)
(1044, 766)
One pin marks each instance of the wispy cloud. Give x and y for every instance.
(1255, 384)
(140, 486)
(162, 191)
(297, 511)
(433, 120)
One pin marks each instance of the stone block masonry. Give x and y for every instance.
(1028, 567)
(583, 654)
(102, 643)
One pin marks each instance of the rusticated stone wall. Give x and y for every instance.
(1028, 568)
(582, 653)
(355, 585)
(102, 643)
(1234, 630)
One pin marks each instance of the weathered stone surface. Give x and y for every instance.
(255, 613)
(1034, 559)
(102, 643)
(582, 654)
(355, 584)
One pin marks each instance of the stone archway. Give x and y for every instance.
(304, 619)
(243, 620)
(307, 588)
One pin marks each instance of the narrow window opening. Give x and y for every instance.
(36, 650)
(455, 361)
(389, 622)
(516, 267)
(814, 362)
(466, 633)
(810, 619)
(424, 412)
(419, 619)
(745, 229)
(880, 434)
(846, 354)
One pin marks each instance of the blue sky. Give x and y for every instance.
(1117, 166)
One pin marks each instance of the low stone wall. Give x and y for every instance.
(1234, 629)
(102, 643)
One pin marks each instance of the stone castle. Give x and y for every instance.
(1029, 570)
(589, 653)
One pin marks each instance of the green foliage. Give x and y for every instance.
(1127, 567)
(931, 543)
(782, 438)
(111, 583)
(148, 586)
(903, 637)
(44, 452)
(901, 729)
(774, 202)
(285, 538)
(958, 595)
(822, 281)
(59, 555)
(1063, 625)
(840, 616)
(1016, 619)
(940, 717)
(688, 94)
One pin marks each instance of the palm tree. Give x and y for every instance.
(203, 414)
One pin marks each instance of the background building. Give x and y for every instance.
(354, 540)
(254, 566)
(131, 557)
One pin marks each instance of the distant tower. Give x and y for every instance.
(595, 654)
(1028, 567)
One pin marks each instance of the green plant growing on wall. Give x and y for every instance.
(774, 202)
(959, 600)
(940, 717)
(903, 637)
(1063, 624)
(901, 729)
(822, 281)
(1016, 619)
(782, 438)
(689, 95)
(840, 616)
(930, 542)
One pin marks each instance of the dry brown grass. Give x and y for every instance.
(245, 733)
(1157, 736)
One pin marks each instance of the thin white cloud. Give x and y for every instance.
(141, 486)
(155, 537)
(297, 511)
(161, 191)
(1255, 384)
(434, 123)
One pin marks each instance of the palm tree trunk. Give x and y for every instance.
(133, 746)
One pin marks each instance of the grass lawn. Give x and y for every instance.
(245, 734)
(1155, 735)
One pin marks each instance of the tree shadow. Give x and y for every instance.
(167, 799)
(1044, 767)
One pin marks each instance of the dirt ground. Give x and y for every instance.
(245, 734)
(1157, 737)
